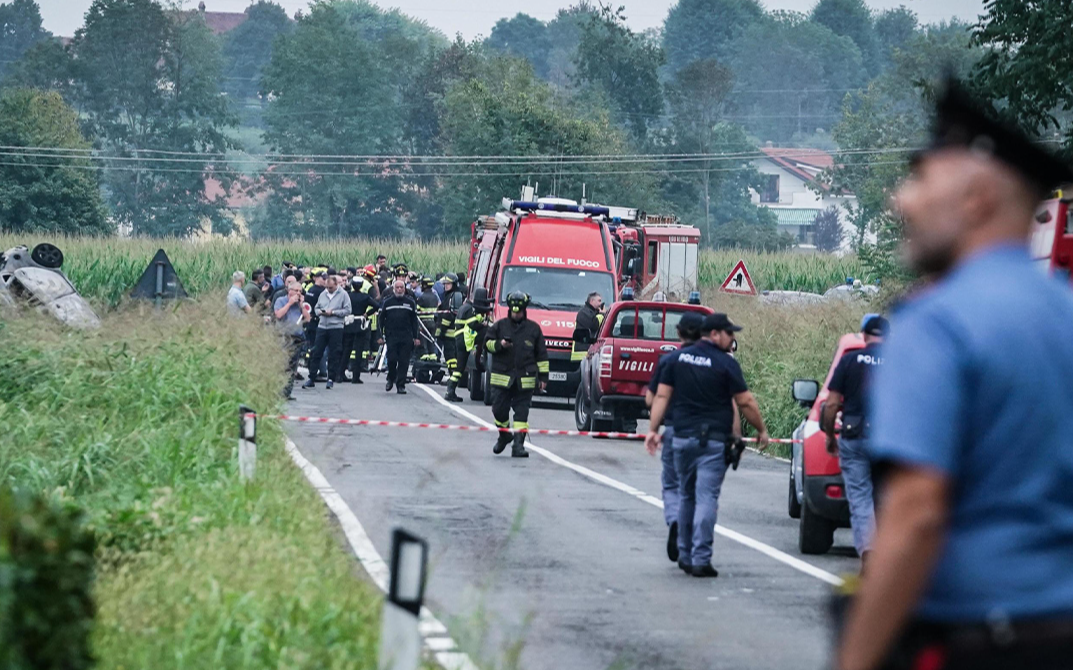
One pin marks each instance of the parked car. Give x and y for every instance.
(620, 362)
(817, 494)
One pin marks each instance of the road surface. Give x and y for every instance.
(559, 561)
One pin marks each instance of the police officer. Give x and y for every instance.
(972, 562)
(398, 319)
(688, 333)
(356, 327)
(589, 319)
(519, 367)
(704, 382)
(849, 394)
(469, 326)
(445, 321)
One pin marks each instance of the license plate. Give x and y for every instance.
(557, 377)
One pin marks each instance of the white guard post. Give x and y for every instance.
(400, 639)
(247, 443)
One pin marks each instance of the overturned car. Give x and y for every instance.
(34, 278)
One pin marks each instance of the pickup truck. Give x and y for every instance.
(620, 362)
(817, 494)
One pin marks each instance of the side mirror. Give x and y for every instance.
(583, 336)
(805, 391)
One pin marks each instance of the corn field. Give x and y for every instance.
(106, 269)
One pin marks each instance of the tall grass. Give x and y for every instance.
(106, 269)
(137, 423)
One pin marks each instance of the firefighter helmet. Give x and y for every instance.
(369, 271)
(517, 301)
(450, 277)
(481, 303)
(427, 282)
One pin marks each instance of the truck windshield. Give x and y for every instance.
(556, 289)
(647, 324)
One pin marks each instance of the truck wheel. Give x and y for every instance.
(476, 388)
(488, 381)
(816, 534)
(793, 505)
(582, 416)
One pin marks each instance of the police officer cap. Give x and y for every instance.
(876, 325)
(961, 122)
(691, 321)
(450, 277)
(401, 270)
(718, 321)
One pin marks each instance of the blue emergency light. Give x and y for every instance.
(627, 293)
(694, 297)
(529, 206)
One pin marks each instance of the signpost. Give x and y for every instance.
(738, 281)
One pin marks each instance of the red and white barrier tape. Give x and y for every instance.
(479, 429)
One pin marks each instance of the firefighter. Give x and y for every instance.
(519, 368)
(589, 319)
(368, 273)
(972, 431)
(445, 321)
(398, 318)
(356, 327)
(427, 304)
(470, 327)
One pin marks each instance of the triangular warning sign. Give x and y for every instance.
(159, 280)
(739, 281)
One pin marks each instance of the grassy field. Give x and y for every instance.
(137, 423)
(105, 270)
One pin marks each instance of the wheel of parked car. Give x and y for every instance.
(582, 416)
(794, 506)
(816, 534)
(487, 383)
(476, 385)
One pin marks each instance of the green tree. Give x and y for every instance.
(336, 92)
(699, 29)
(625, 66)
(148, 84)
(248, 48)
(20, 29)
(506, 110)
(783, 101)
(1028, 55)
(894, 28)
(827, 230)
(523, 36)
(38, 194)
(852, 19)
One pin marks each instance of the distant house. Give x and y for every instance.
(792, 191)
(221, 22)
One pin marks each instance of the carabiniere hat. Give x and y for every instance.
(961, 122)
(718, 321)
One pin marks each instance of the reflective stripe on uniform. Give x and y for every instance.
(521, 425)
(542, 366)
(456, 376)
(528, 382)
(490, 345)
(500, 380)
(502, 424)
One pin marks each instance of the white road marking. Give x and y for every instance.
(766, 549)
(443, 648)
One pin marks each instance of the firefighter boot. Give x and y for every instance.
(517, 450)
(451, 396)
(502, 442)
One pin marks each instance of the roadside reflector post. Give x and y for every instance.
(247, 443)
(400, 638)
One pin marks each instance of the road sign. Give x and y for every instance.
(738, 281)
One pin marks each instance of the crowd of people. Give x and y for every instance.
(335, 320)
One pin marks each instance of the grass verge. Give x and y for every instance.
(138, 423)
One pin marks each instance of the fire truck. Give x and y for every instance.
(1051, 243)
(558, 252)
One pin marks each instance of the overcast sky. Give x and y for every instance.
(476, 17)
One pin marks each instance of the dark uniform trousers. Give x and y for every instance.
(355, 343)
(332, 339)
(399, 350)
(517, 396)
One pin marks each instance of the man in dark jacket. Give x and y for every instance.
(519, 367)
(427, 304)
(590, 318)
(470, 326)
(398, 319)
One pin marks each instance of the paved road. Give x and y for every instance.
(539, 567)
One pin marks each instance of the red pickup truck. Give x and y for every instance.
(621, 360)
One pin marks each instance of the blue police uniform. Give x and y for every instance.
(978, 385)
(668, 474)
(705, 380)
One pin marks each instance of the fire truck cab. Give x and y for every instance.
(656, 253)
(556, 251)
(1051, 242)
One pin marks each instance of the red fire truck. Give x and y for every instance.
(559, 251)
(1052, 236)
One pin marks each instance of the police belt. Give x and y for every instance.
(733, 446)
(979, 640)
